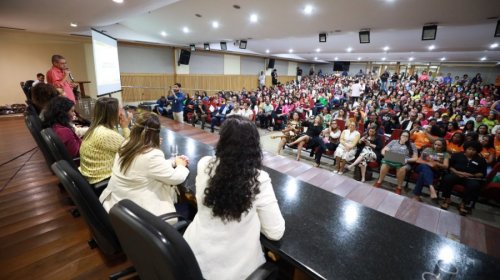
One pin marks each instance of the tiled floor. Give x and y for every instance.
(471, 231)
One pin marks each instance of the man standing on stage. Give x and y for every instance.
(57, 75)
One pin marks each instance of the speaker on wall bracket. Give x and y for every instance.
(184, 57)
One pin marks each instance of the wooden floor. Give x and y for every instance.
(39, 239)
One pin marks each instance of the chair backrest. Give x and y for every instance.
(56, 146)
(395, 134)
(340, 124)
(34, 125)
(89, 207)
(155, 248)
(27, 89)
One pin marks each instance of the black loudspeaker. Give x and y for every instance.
(270, 64)
(184, 57)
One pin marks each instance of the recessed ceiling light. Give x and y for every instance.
(185, 29)
(443, 58)
(336, 58)
(383, 58)
(118, 1)
(290, 50)
(315, 58)
(254, 18)
(431, 47)
(308, 9)
(359, 58)
(494, 45)
(73, 24)
(318, 50)
(267, 51)
(411, 59)
(164, 34)
(349, 49)
(386, 48)
(215, 24)
(483, 58)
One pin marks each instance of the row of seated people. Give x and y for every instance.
(430, 162)
(231, 205)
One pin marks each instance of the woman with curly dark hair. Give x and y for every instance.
(58, 114)
(236, 203)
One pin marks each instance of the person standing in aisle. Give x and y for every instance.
(177, 97)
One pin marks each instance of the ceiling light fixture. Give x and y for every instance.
(383, 58)
(267, 51)
(386, 48)
(290, 50)
(359, 58)
(254, 18)
(308, 9)
(411, 59)
(322, 37)
(118, 1)
(431, 47)
(315, 58)
(318, 50)
(163, 33)
(483, 58)
(364, 36)
(215, 24)
(243, 44)
(443, 58)
(185, 29)
(494, 45)
(223, 46)
(349, 49)
(73, 24)
(336, 58)
(429, 32)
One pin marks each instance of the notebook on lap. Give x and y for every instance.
(394, 157)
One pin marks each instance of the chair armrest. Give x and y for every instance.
(266, 271)
(182, 223)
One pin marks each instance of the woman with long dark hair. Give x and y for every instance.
(432, 162)
(236, 203)
(141, 173)
(58, 114)
(403, 146)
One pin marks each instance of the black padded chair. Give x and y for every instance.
(89, 206)
(34, 125)
(157, 249)
(57, 148)
(59, 152)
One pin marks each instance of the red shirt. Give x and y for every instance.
(69, 138)
(55, 77)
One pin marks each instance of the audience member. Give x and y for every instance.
(177, 97)
(346, 150)
(368, 150)
(431, 163)
(41, 94)
(40, 78)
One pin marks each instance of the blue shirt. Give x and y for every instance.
(177, 102)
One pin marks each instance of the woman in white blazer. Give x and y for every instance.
(142, 174)
(236, 203)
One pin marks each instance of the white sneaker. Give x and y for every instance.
(335, 171)
(340, 173)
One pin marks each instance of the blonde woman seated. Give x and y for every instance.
(291, 132)
(142, 174)
(102, 140)
(402, 146)
(346, 151)
(236, 203)
(369, 148)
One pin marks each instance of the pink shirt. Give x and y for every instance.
(55, 77)
(69, 138)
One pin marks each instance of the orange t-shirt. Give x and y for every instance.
(420, 139)
(487, 152)
(497, 147)
(454, 148)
